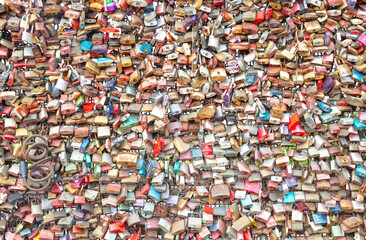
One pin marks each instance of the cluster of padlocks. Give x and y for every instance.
(175, 119)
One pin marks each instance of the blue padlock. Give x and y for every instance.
(86, 45)
(151, 168)
(197, 153)
(149, 8)
(336, 210)
(88, 162)
(264, 116)
(289, 197)
(23, 169)
(325, 107)
(250, 80)
(110, 112)
(146, 47)
(110, 85)
(319, 219)
(361, 171)
(153, 194)
(139, 163)
(357, 76)
(213, 228)
(84, 145)
(24, 233)
(276, 92)
(358, 125)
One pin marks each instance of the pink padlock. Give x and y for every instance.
(362, 39)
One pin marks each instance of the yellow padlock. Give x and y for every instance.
(19, 227)
(70, 189)
(37, 237)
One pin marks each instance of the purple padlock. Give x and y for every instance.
(303, 7)
(78, 214)
(172, 201)
(327, 38)
(189, 21)
(227, 98)
(139, 202)
(328, 84)
(109, 6)
(99, 49)
(351, 4)
(64, 237)
(291, 182)
(165, 100)
(286, 133)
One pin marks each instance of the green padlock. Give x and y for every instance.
(71, 167)
(131, 90)
(79, 101)
(97, 171)
(148, 210)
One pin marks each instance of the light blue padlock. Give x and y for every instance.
(361, 171)
(289, 197)
(24, 233)
(139, 163)
(247, 201)
(86, 45)
(325, 107)
(175, 109)
(264, 116)
(153, 194)
(358, 125)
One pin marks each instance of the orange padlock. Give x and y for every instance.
(294, 121)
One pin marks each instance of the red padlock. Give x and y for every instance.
(247, 235)
(259, 17)
(262, 133)
(268, 14)
(299, 130)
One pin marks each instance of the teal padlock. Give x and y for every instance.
(361, 171)
(176, 167)
(124, 207)
(142, 171)
(130, 122)
(326, 117)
